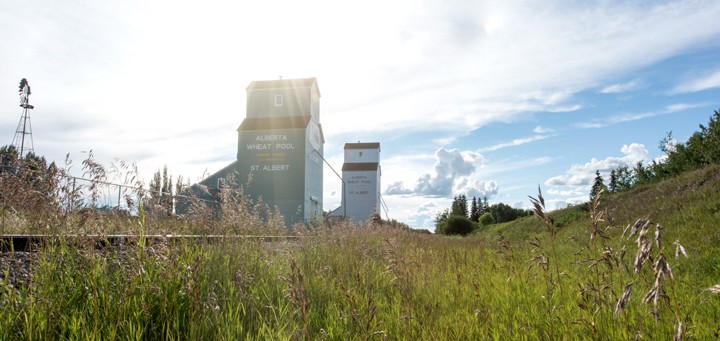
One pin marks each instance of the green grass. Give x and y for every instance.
(376, 282)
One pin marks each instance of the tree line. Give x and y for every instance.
(700, 150)
(459, 219)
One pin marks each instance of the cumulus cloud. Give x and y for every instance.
(453, 172)
(450, 166)
(582, 175)
(396, 188)
(476, 188)
(425, 216)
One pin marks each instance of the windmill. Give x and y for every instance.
(23, 134)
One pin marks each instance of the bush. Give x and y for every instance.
(486, 219)
(458, 225)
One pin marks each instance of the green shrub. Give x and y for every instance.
(458, 225)
(486, 219)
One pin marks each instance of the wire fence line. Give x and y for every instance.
(105, 194)
(96, 191)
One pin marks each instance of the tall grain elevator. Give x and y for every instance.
(280, 148)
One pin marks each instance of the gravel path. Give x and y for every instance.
(16, 268)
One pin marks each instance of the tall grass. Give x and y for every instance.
(573, 274)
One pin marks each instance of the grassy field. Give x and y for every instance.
(528, 279)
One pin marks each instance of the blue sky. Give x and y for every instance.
(486, 98)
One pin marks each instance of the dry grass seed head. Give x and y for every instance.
(680, 334)
(642, 236)
(715, 289)
(622, 302)
(679, 249)
(639, 224)
(662, 268)
(643, 254)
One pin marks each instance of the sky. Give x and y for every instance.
(483, 98)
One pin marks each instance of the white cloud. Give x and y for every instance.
(672, 108)
(476, 188)
(515, 142)
(578, 47)
(581, 176)
(621, 87)
(450, 166)
(129, 64)
(567, 108)
(453, 172)
(709, 81)
(396, 188)
(415, 211)
(565, 193)
(425, 215)
(501, 167)
(542, 130)
(445, 140)
(556, 204)
(617, 119)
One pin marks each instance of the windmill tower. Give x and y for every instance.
(23, 134)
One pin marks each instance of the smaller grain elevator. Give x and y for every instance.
(361, 177)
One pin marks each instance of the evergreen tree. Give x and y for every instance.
(474, 210)
(166, 191)
(459, 206)
(9, 158)
(161, 188)
(179, 185)
(26, 182)
(156, 186)
(598, 185)
(612, 186)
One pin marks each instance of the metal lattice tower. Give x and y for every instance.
(23, 141)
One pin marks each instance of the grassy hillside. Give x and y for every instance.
(686, 207)
(520, 280)
(689, 203)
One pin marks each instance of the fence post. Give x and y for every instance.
(72, 195)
